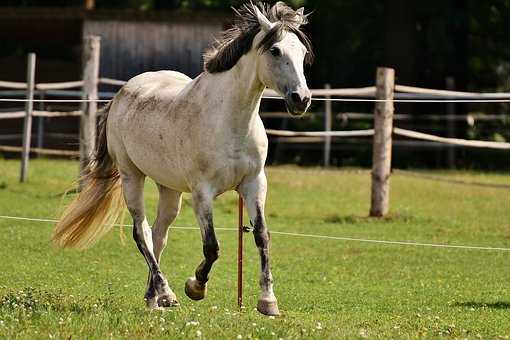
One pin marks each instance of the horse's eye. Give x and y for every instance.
(275, 51)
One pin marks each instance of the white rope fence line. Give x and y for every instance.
(356, 92)
(449, 93)
(59, 85)
(453, 141)
(339, 238)
(351, 100)
(348, 133)
(15, 100)
(37, 113)
(13, 85)
(367, 100)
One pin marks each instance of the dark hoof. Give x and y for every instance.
(269, 308)
(168, 300)
(194, 289)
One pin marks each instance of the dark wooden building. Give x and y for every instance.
(132, 41)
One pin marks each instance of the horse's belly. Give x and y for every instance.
(222, 173)
(157, 161)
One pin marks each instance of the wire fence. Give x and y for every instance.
(312, 236)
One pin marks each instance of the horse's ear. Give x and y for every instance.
(300, 11)
(264, 22)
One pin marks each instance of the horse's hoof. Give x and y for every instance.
(168, 300)
(151, 303)
(194, 289)
(269, 308)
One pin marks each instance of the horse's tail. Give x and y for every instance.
(92, 213)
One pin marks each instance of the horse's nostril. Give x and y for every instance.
(296, 98)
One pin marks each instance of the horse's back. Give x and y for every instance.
(150, 82)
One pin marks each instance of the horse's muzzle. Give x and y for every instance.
(298, 102)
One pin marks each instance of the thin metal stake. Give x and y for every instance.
(240, 255)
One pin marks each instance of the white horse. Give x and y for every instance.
(202, 136)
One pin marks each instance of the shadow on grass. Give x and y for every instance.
(482, 305)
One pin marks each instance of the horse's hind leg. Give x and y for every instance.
(132, 186)
(195, 287)
(168, 207)
(254, 193)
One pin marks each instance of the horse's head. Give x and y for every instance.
(283, 51)
(280, 48)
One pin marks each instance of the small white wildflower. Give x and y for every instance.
(271, 317)
(254, 324)
(239, 336)
(214, 307)
(199, 333)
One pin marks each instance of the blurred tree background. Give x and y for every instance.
(425, 41)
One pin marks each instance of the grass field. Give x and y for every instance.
(326, 288)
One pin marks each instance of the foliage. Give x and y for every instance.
(326, 288)
(433, 39)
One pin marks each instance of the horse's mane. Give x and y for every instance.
(237, 41)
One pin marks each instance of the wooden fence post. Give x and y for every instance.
(27, 125)
(40, 123)
(91, 49)
(328, 122)
(451, 123)
(383, 128)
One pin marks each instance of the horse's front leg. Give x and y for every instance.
(253, 191)
(196, 287)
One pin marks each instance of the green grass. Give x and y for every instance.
(326, 288)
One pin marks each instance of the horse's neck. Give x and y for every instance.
(237, 93)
